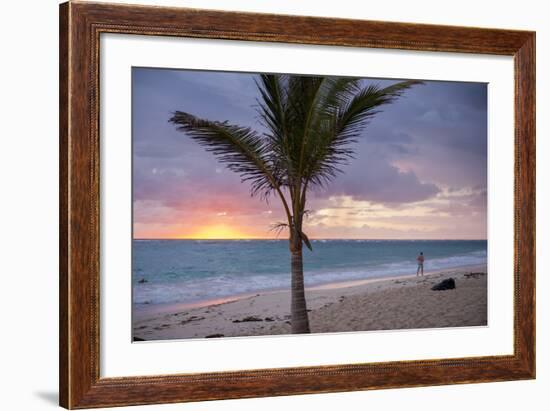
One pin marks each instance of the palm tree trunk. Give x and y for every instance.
(298, 309)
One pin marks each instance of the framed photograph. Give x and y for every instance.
(258, 205)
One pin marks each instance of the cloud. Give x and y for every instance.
(371, 177)
(423, 158)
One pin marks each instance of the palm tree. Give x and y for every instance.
(311, 123)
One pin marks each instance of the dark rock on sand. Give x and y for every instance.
(214, 336)
(447, 284)
(248, 319)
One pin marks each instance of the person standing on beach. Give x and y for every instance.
(420, 260)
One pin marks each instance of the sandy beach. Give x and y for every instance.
(405, 302)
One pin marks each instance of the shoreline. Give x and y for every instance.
(267, 312)
(158, 309)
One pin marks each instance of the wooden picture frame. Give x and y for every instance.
(80, 27)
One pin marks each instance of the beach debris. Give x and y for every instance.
(447, 284)
(192, 318)
(473, 275)
(143, 280)
(214, 336)
(250, 318)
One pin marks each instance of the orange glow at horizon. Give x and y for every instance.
(336, 217)
(217, 232)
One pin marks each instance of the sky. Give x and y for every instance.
(419, 172)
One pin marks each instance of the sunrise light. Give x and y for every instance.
(217, 232)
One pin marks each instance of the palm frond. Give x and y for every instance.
(272, 104)
(278, 227)
(305, 240)
(241, 149)
(345, 118)
(365, 104)
(272, 110)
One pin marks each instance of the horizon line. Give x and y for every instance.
(313, 239)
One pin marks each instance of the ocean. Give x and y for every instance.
(195, 271)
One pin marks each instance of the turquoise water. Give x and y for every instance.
(191, 271)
